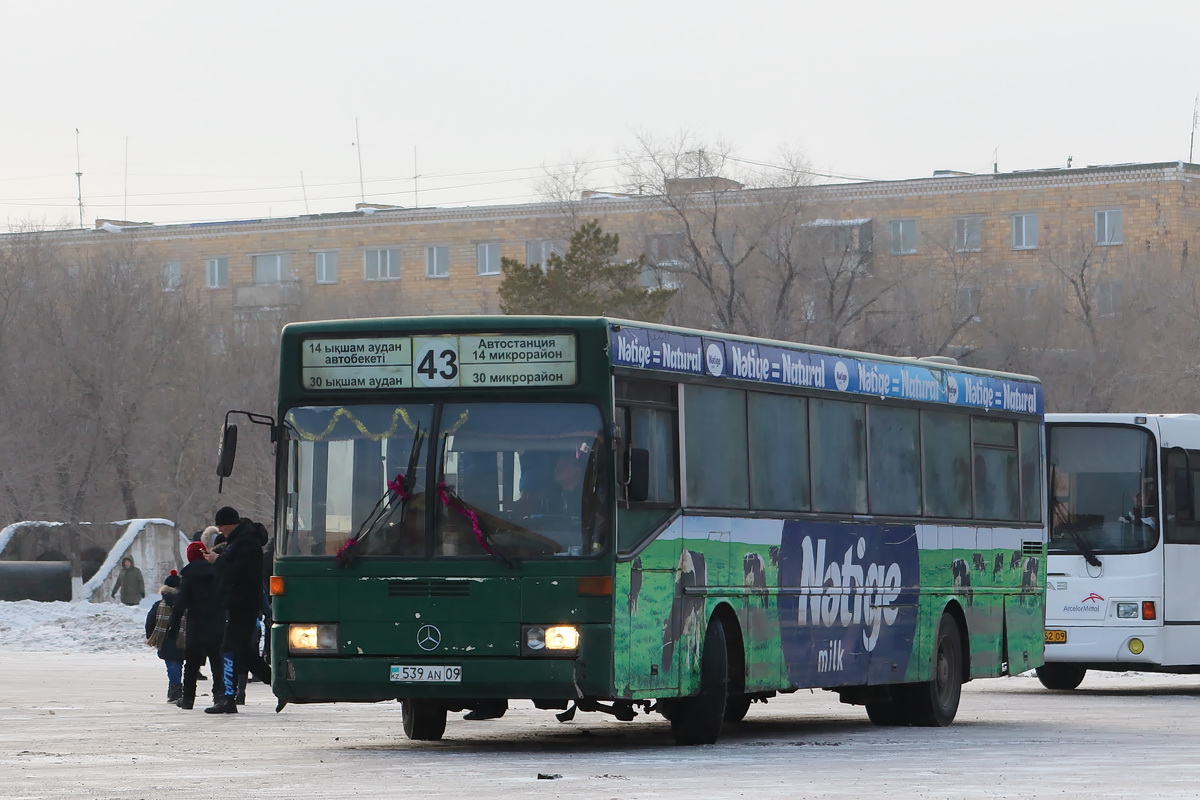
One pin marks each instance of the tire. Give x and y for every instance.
(736, 707)
(698, 719)
(1061, 677)
(890, 712)
(934, 704)
(424, 720)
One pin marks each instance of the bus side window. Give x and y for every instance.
(1180, 496)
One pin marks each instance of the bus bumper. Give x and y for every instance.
(314, 679)
(1107, 645)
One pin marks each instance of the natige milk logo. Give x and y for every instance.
(714, 360)
(951, 389)
(854, 618)
(841, 375)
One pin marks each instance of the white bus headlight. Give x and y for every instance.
(550, 639)
(1127, 610)
(313, 638)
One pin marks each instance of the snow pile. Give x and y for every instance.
(78, 627)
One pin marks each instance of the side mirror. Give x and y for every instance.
(228, 451)
(638, 485)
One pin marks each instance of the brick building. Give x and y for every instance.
(389, 260)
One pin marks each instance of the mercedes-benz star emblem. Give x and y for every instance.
(428, 637)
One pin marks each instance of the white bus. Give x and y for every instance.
(1123, 566)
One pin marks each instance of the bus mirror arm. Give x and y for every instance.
(637, 475)
(228, 452)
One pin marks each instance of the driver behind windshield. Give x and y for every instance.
(560, 496)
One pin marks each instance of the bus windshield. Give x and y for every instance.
(521, 479)
(1104, 496)
(511, 480)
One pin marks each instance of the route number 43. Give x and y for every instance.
(436, 362)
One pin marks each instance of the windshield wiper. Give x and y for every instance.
(1085, 549)
(399, 488)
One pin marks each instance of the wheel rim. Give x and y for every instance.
(944, 672)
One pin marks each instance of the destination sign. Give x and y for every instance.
(667, 351)
(436, 362)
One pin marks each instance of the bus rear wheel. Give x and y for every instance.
(1061, 677)
(934, 703)
(698, 720)
(892, 711)
(424, 720)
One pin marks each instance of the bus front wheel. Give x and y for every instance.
(424, 720)
(698, 720)
(1061, 677)
(934, 704)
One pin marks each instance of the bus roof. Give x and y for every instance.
(684, 351)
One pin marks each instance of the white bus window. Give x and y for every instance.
(894, 462)
(778, 433)
(1103, 479)
(839, 456)
(946, 452)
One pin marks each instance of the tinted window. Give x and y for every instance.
(839, 451)
(946, 451)
(778, 452)
(895, 461)
(715, 439)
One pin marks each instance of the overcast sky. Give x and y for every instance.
(236, 109)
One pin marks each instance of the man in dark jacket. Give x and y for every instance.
(239, 568)
(200, 597)
(129, 583)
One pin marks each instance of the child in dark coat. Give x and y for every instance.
(168, 647)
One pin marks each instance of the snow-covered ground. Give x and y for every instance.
(79, 627)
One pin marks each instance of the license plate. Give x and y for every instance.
(1056, 637)
(427, 674)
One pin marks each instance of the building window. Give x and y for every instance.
(539, 251)
(326, 264)
(1024, 232)
(437, 261)
(968, 234)
(902, 236)
(381, 265)
(272, 268)
(1108, 227)
(665, 248)
(172, 276)
(1108, 298)
(216, 273)
(487, 258)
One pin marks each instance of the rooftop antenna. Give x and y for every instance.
(996, 160)
(78, 177)
(357, 143)
(1195, 113)
(304, 191)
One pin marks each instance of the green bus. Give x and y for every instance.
(612, 516)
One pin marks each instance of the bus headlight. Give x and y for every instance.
(312, 638)
(549, 639)
(1127, 610)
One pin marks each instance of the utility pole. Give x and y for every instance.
(362, 195)
(78, 177)
(1195, 111)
